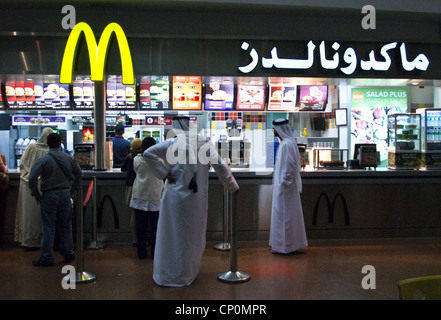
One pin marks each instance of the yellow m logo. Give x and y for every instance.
(97, 53)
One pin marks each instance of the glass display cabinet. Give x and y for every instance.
(329, 158)
(404, 141)
(431, 137)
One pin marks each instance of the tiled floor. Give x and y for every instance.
(323, 271)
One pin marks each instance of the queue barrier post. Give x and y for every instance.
(233, 276)
(94, 243)
(225, 245)
(79, 276)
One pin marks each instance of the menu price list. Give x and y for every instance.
(220, 94)
(83, 93)
(250, 97)
(187, 93)
(282, 98)
(313, 98)
(44, 92)
(40, 93)
(120, 96)
(154, 93)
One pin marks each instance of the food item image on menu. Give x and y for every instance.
(29, 92)
(10, 91)
(144, 93)
(290, 95)
(53, 87)
(38, 90)
(277, 95)
(63, 92)
(19, 92)
(50, 95)
(130, 91)
(87, 91)
(218, 95)
(77, 91)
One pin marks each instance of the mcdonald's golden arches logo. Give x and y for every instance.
(97, 53)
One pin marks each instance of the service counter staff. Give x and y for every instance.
(287, 232)
(121, 147)
(180, 240)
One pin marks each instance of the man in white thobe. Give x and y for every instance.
(287, 232)
(28, 216)
(181, 235)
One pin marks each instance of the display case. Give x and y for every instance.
(85, 155)
(329, 158)
(431, 137)
(404, 141)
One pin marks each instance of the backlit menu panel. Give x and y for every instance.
(83, 93)
(120, 96)
(38, 92)
(313, 98)
(250, 97)
(154, 93)
(187, 93)
(219, 94)
(282, 95)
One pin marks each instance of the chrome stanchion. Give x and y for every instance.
(80, 276)
(233, 276)
(100, 154)
(224, 246)
(94, 244)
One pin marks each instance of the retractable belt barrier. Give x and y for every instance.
(233, 276)
(224, 246)
(80, 276)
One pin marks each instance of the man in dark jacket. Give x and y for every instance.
(59, 175)
(121, 147)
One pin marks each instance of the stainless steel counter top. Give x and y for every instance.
(380, 175)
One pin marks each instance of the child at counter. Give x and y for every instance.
(146, 199)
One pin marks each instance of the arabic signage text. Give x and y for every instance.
(332, 56)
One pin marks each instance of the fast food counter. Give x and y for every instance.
(337, 204)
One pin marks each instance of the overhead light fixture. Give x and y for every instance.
(414, 83)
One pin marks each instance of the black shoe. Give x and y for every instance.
(69, 258)
(42, 263)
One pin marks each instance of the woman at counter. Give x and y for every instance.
(135, 149)
(180, 240)
(28, 217)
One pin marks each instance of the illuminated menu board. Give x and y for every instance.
(41, 92)
(282, 97)
(10, 94)
(313, 98)
(250, 97)
(154, 93)
(219, 94)
(120, 96)
(282, 94)
(83, 93)
(187, 93)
